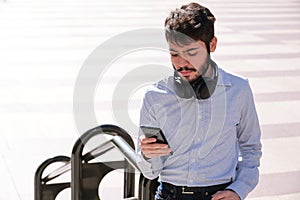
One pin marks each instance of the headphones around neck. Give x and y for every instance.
(201, 88)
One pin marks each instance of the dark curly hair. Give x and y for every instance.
(192, 22)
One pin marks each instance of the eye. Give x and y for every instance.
(174, 54)
(192, 53)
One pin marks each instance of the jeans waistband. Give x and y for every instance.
(187, 190)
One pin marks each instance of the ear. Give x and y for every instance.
(213, 44)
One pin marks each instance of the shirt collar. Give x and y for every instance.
(223, 78)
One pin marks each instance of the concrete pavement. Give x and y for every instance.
(43, 45)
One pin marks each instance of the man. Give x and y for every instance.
(207, 115)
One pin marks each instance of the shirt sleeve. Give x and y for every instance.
(150, 168)
(248, 134)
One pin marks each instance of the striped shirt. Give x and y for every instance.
(214, 141)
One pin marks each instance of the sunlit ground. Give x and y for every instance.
(44, 45)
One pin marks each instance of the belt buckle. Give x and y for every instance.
(185, 192)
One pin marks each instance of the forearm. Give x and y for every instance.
(150, 168)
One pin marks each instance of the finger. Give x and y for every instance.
(147, 140)
(219, 195)
(154, 146)
(151, 143)
(159, 152)
(156, 154)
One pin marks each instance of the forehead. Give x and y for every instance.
(187, 47)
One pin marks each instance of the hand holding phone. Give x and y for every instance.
(154, 132)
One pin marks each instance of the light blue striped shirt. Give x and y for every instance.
(214, 140)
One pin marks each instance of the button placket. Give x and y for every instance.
(192, 174)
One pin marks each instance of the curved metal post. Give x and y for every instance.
(86, 177)
(44, 191)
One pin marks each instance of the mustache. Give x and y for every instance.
(186, 69)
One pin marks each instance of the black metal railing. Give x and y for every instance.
(86, 176)
(48, 191)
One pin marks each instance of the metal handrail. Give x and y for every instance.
(126, 150)
(116, 141)
(58, 172)
(97, 151)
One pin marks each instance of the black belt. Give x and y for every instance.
(207, 190)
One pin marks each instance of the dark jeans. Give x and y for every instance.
(166, 191)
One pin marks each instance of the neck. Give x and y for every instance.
(209, 72)
(207, 69)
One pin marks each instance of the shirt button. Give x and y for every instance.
(193, 160)
(206, 193)
(190, 180)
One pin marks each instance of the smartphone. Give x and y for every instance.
(154, 132)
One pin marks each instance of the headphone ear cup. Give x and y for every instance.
(206, 85)
(206, 88)
(182, 87)
(202, 88)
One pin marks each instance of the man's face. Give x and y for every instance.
(189, 60)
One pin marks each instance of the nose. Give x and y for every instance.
(180, 62)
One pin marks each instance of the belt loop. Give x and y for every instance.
(174, 192)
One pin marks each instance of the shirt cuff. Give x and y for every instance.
(238, 189)
(232, 191)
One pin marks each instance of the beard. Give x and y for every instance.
(201, 70)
